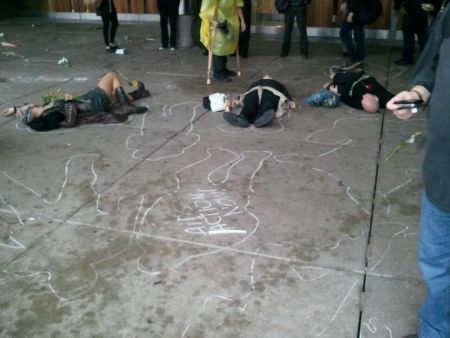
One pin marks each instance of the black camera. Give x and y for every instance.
(223, 27)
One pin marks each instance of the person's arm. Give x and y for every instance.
(241, 19)
(425, 71)
(422, 79)
(416, 93)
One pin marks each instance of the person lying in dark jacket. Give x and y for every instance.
(358, 90)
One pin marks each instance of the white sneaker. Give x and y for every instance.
(172, 48)
(162, 48)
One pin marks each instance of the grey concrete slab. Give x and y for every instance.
(390, 307)
(176, 224)
(397, 213)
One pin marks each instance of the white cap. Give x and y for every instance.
(217, 101)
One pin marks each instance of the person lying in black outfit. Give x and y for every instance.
(358, 89)
(263, 101)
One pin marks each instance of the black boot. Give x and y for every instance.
(140, 92)
(127, 108)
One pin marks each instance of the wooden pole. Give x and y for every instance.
(238, 61)
(210, 53)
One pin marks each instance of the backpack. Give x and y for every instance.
(368, 12)
(281, 6)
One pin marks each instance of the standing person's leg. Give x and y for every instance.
(301, 22)
(408, 38)
(244, 37)
(421, 31)
(434, 261)
(346, 37)
(288, 25)
(113, 31)
(164, 30)
(105, 20)
(173, 30)
(360, 49)
(220, 68)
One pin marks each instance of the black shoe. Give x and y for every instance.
(126, 107)
(284, 54)
(403, 62)
(140, 91)
(222, 77)
(235, 120)
(231, 73)
(265, 118)
(305, 56)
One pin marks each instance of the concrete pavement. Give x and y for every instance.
(175, 224)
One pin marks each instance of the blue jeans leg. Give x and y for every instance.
(434, 261)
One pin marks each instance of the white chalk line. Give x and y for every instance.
(84, 289)
(402, 232)
(338, 309)
(63, 185)
(394, 189)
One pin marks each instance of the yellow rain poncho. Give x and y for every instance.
(220, 10)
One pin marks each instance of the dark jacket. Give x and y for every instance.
(168, 7)
(106, 7)
(432, 72)
(352, 89)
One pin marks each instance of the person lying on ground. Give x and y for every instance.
(263, 101)
(106, 103)
(358, 89)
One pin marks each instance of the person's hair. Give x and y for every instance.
(46, 122)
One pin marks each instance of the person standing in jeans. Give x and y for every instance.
(351, 29)
(296, 11)
(430, 82)
(107, 11)
(168, 11)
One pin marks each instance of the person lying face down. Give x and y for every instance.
(264, 100)
(95, 106)
(359, 90)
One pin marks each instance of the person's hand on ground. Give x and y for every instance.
(9, 111)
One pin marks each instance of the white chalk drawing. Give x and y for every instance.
(207, 204)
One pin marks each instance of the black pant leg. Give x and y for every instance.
(288, 25)
(244, 37)
(164, 30)
(105, 20)
(408, 38)
(114, 25)
(301, 22)
(219, 64)
(268, 101)
(173, 30)
(250, 106)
